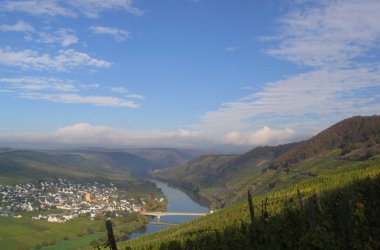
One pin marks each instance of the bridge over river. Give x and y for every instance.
(159, 214)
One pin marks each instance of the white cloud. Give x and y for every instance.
(134, 96)
(96, 135)
(5, 91)
(61, 91)
(20, 26)
(96, 100)
(305, 97)
(329, 34)
(89, 8)
(65, 60)
(38, 7)
(99, 135)
(90, 86)
(262, 136)
(64, 37)
(83, 129)
(120, 90)
(231, 49)
(93, 8)
(40, 83)
(118, 34)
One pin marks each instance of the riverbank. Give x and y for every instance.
(194, 192)
(177, 201)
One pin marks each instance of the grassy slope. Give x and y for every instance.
(27, 233)
(335, 175)
(76, 243)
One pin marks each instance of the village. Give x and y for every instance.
(62, 200)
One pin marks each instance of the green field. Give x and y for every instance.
(27, 233)
(76, 243)
(24, 233)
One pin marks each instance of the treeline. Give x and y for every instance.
(345, 218)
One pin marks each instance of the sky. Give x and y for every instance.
(184, 73)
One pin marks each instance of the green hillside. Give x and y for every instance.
(123, 164)
(223, 179)
(339, 211)
(22, 166)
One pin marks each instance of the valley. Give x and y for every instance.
(96, 184)
(189, 125)
(223, 179)
(46, 192)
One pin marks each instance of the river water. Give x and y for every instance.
(178, 201)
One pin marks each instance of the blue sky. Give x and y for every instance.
(184, 73)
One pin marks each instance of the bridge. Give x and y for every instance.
(159, 214)
(161, 223)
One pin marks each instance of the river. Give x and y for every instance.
(178, 201)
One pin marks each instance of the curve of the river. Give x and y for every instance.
(178, 201)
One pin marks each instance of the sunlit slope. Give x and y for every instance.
(345, 216)
(267, 168)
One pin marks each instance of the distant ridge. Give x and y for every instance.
(358, 132)
(224, 178)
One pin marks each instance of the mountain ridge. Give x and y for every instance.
(269, 167)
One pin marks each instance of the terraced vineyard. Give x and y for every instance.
(342, 214)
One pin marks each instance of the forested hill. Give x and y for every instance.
(356, 138)
(222, 179)
(20, 166)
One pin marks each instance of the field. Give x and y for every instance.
(24, 233)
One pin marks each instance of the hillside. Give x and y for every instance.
(271, 168)
(338, 210)
(166, 157)
(355, 138)
(218, 178)
(21, 166)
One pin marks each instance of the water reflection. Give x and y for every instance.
(178, 201)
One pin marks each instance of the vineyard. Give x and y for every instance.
(336, 210)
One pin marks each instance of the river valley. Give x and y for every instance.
(178, 201)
